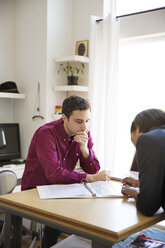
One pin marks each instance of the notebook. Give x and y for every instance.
(81, 190)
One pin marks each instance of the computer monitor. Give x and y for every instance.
(10, 147)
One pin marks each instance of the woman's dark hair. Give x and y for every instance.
(74, 103)
(148, 119)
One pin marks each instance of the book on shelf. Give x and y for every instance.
(143, 241)
(81, 190)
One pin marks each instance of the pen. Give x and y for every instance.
(89, 189)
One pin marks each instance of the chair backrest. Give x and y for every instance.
(8, 181)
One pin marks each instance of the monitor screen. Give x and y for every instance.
(9, 142)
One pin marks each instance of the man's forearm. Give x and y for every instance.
(86, 153)
(100, 176)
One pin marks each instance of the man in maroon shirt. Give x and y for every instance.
(55, 150)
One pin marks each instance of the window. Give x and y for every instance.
(132, 6)
(140, 86)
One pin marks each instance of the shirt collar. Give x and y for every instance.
(158, 127)
(62, 133)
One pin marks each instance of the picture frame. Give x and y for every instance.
(82, 48)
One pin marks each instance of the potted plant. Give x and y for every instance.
(72, 72)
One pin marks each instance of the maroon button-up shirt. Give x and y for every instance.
(52, 158)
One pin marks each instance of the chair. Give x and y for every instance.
(8, 181)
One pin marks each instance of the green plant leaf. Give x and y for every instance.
(71, 70)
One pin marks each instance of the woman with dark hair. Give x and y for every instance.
(148, 136)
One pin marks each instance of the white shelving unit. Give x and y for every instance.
(12, 95)
(79, 88)
(76, 59)
(70, 88)
(72, 58)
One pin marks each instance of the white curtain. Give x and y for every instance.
(104, 40)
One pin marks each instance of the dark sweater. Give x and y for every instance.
(150, 150)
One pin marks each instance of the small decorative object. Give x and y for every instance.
(72, 72)
(9, 87)
(37, 105)
(72, 80)
(82, 48)
(58, 109)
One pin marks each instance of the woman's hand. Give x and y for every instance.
(130, 191)
(130, 181)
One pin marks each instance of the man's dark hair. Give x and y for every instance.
(74, 103)
(148, 119)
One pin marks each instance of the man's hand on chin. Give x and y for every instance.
(81, 137)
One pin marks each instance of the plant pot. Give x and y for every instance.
(72, 80)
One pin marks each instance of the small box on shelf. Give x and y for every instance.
(58, 109)
(58, 112)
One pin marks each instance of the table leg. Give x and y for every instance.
(7, 229)
(16, 223)
(17, 231)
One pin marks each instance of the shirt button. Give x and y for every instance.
(77, 154)
(90, 163)
(64, 139)
(64, 159)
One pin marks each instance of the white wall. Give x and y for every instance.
(6, 55)
(23, 60)
(6, 40)
(30, 29)
(59, 36)
(68, 21)
(82, 10)
(32, 33)
(142, 24)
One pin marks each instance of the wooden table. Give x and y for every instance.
(104, 221)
